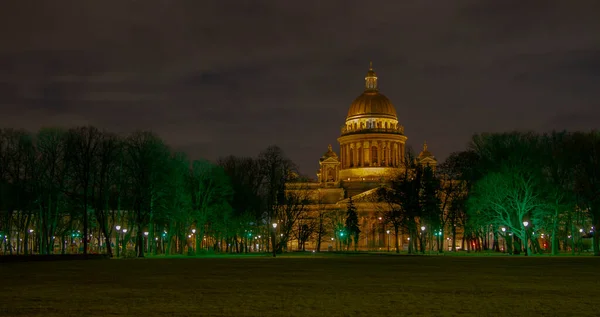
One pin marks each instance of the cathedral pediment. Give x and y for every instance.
(330, 160)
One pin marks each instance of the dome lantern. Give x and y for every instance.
(371, 79)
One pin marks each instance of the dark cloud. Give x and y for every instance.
(221, 77)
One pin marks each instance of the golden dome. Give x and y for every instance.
(371, 102)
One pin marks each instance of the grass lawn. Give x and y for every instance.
(365, 285)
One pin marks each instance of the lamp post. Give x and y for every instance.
(503, 239)
(592, 234)
(525, 224)
(124, 241)
(274, 237)
(117, 239)
(388, 234)
(146, 240)
(195, 241)
(422, 237)
(32, 240)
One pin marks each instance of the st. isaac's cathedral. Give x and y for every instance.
(372, 150)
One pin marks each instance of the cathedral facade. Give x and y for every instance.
(372, 150)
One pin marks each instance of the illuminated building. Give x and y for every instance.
(372, 151)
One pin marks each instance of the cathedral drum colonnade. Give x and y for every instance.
(372, 150)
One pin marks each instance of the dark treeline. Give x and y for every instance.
(531, 192)
(131, 195)
(134, 193)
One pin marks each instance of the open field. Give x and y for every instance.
(365, 285)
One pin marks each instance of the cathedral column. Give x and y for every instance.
(380, 149)
(366, 150)
(390, 153)
(347, 159)
(393, 145)
(359, 151)
(398, 154)
(342, 155)
(385, 157)
(347, 155)
(355, 154)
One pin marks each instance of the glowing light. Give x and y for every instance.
(118, 227)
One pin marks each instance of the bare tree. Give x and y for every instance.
(292, 207)
(17, 153)
(51, 169)
(83, 146)
(110, 151)
(320, 220)
(147, 166)
(586, 148)
(276, 170)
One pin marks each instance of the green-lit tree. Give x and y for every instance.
(211, 194)
(177, 215)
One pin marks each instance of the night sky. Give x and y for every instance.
(215, 78)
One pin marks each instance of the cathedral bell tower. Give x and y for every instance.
(329, 167)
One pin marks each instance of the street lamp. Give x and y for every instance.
(30, 238)
(525, 224)
(503, 239)
(124, 241)
(117, 239)
(147, 242)
(422, 237)
(274, 237)
(388, 234)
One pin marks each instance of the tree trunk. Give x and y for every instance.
(85, 218)
(396, 229)
(595, 211)
(554, 242)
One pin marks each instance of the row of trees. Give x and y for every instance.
(59, 186)
(519, 187)
(88, 185)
